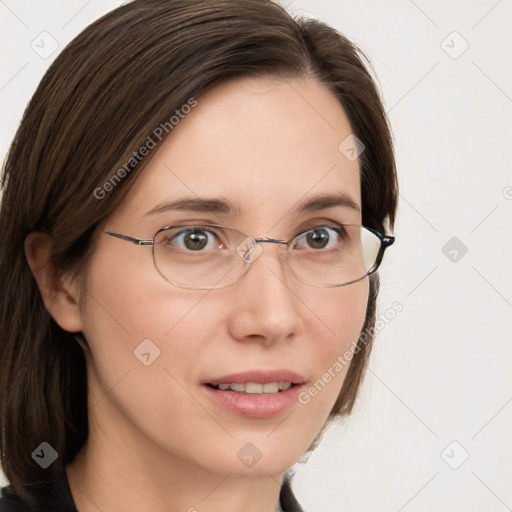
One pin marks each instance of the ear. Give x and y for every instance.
(58, 291)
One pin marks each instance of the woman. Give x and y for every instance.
(195, 206)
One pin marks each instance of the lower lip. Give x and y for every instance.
(263, 405)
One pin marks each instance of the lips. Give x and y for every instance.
(254, 387)
(257, 393)
(258, 377)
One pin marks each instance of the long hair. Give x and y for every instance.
(107, 91)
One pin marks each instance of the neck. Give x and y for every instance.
(120, 469)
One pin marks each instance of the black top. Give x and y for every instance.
(56, 497)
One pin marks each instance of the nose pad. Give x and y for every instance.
(249, 249)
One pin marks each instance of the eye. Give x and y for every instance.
(195, 239)
(322, 237)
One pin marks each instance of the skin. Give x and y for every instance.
(157, 443)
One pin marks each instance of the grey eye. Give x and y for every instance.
(322, 237)
(194, 239)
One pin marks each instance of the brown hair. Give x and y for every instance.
(124, 75)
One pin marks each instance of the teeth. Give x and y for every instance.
(252, 387)
(271, 387)
(255, 388)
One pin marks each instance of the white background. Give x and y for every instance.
(440, 371)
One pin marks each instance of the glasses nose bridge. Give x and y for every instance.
(252, 248)
(267, 240)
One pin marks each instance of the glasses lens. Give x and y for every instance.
(207, 257)
(371, 245)
(334, 255)
(198, 256)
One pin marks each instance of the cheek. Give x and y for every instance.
(153, 393)
(340, 319)
(339, 316)
(129, 301)
(146, 340)
(137, 325)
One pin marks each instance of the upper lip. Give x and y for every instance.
(258, 377)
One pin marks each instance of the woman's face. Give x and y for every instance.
(266, 147)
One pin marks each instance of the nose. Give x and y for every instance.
(266, 308)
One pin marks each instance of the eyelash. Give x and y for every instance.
(337, 228)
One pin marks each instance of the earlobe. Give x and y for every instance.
(59, 293)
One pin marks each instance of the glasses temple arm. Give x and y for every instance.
(135, 241)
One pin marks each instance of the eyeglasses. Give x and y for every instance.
(211, 256)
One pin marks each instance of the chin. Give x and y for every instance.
(257, 456)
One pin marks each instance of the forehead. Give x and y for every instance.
(262, 144)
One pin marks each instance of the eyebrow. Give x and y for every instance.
(325, 201)
(197, 204)
(225, 207)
